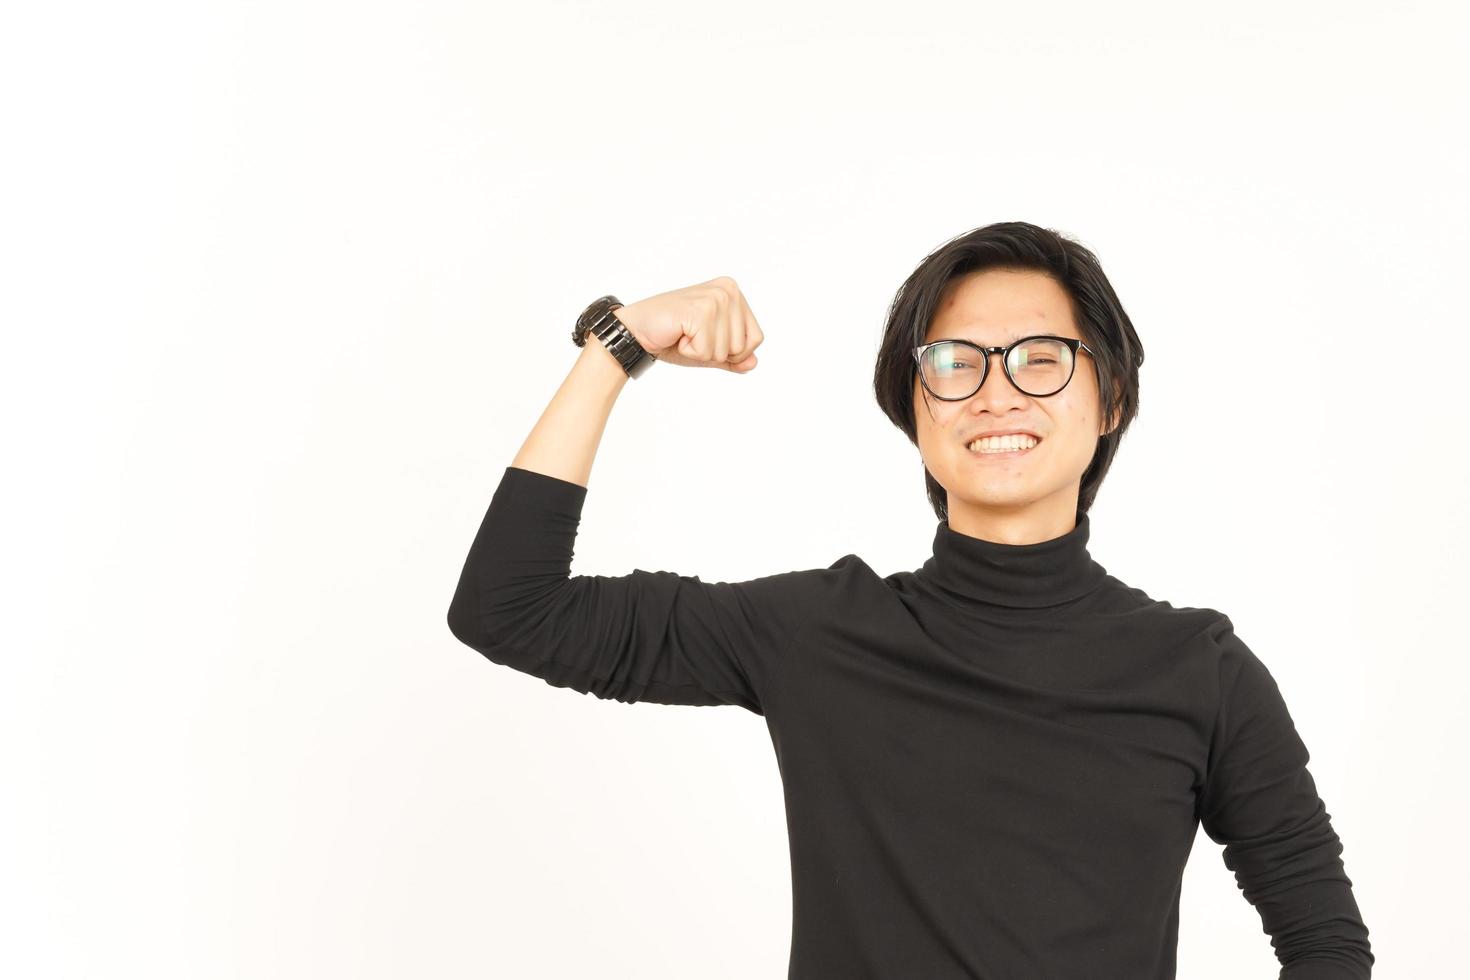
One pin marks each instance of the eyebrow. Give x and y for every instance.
(1008, 341)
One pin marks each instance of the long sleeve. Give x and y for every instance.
(1260, 801)
(651, 636)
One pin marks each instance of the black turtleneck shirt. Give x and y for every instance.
(994, 766)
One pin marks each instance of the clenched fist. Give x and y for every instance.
(705, 325)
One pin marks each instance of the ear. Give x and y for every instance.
(1117, 416)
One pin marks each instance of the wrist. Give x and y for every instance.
(599, 325)
(632, 331)
(600, 361)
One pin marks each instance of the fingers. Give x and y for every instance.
(738, 335)
(748, 335)
(720, 336)
(718, 327)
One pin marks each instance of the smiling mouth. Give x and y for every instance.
(1002, 453)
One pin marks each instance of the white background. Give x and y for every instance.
(285, 286)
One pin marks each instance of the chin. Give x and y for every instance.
(996, 499)
(1004, 506)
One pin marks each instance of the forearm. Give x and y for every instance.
(564, 441)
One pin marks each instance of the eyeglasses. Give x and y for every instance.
(1039, 366)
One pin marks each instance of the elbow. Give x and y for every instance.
(458, 623)
(1350, 961)
(464, 623)
(467, 616)
(470, 624)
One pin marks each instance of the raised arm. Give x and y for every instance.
(650, 635)
(706, 325)
(1261, 802)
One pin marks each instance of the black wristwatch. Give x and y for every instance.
(599, 321)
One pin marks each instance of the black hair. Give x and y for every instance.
(1016, 245)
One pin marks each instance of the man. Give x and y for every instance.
(994, 766)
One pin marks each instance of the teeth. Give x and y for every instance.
(1001, 444)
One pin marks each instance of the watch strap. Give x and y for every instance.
(599, 321)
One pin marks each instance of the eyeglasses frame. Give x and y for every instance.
(1005, 362)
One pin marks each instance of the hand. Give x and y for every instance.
(705, 325)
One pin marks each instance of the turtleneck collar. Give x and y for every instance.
(1045, 573)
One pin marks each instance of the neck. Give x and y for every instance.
(1028, 523)
(1031, 572)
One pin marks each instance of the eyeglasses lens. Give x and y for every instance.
(1040, 367)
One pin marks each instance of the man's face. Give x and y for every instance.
(1009, 496)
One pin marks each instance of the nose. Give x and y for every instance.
(997, 394)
